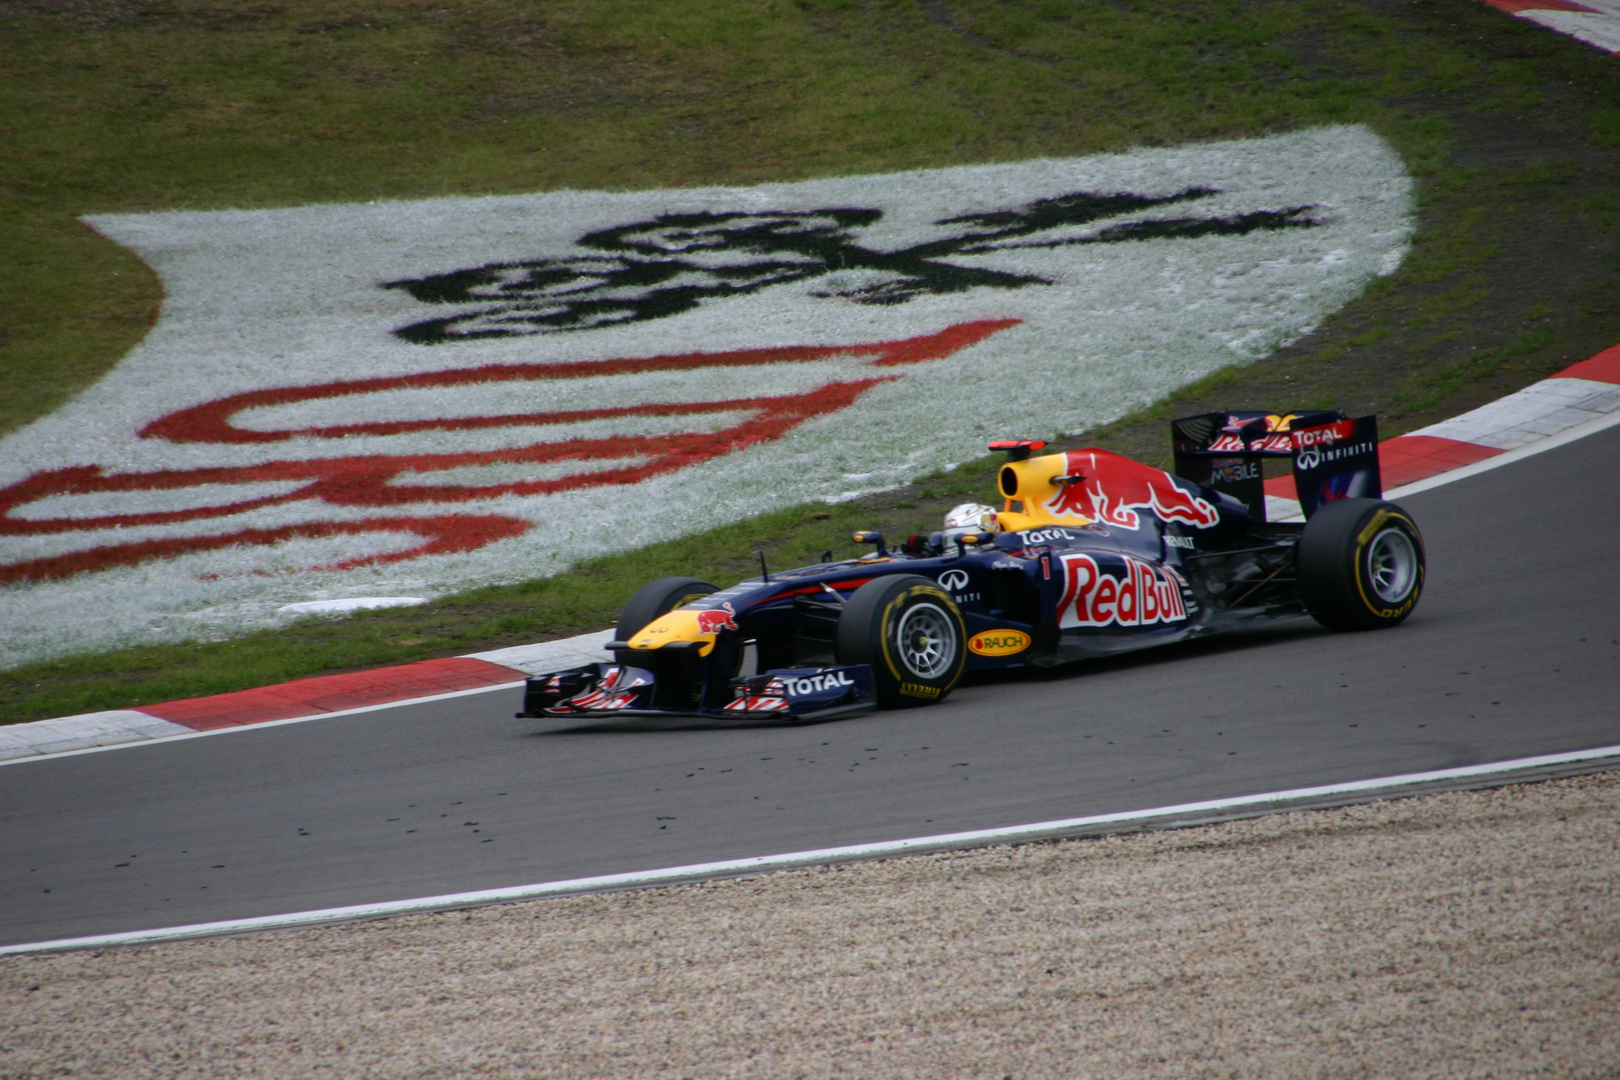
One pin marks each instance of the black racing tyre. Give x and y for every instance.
(652, 600)
(911, 633)
(1360, 564)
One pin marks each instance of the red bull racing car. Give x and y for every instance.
(1090, 554)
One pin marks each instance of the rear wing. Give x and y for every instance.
(1333, 456)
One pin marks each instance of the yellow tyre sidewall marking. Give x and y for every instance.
(908, 687)
(1365, 537)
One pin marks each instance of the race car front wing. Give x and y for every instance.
(791, 695)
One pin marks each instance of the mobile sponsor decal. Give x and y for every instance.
(1118, 591)
(418, 397)
(1236, 473)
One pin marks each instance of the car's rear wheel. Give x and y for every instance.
(1361, 564)
(652, 600)
(910, 632)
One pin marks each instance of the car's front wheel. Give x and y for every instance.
(911, 633)
(1360, 564)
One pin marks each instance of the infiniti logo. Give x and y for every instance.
(954, 580)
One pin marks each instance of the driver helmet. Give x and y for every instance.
(969, 518)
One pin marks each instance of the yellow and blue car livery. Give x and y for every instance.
(1092, 554)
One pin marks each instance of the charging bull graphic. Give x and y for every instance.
(717, 619)
(1113, 489)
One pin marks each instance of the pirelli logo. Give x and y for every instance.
(911, 689)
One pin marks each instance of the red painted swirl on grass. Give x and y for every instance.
(373, 481)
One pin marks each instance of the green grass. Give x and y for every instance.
(179, 104)
(158, 106)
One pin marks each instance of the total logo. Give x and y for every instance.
(1047, 536)
(1136, 594)
(816, 684)
(1329, 433)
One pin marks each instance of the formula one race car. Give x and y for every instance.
(1091, 554)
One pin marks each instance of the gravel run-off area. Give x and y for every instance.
(1472, 934)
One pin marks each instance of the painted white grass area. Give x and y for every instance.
(516, 399)
(292, 301)
(353, 603)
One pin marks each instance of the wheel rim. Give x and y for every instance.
(1392, 565)
(927, 640)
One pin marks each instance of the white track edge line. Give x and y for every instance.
(764, 863)
(165, 740)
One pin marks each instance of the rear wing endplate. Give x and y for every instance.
(1333, 456)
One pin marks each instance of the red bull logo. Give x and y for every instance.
(717, 619)
(1277, 439)
(1111, 489)
(1140, 595)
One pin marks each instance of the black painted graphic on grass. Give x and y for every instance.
(673, 263)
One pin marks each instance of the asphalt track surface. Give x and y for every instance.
(1513, 651)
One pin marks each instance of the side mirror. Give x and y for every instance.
(871, 536)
